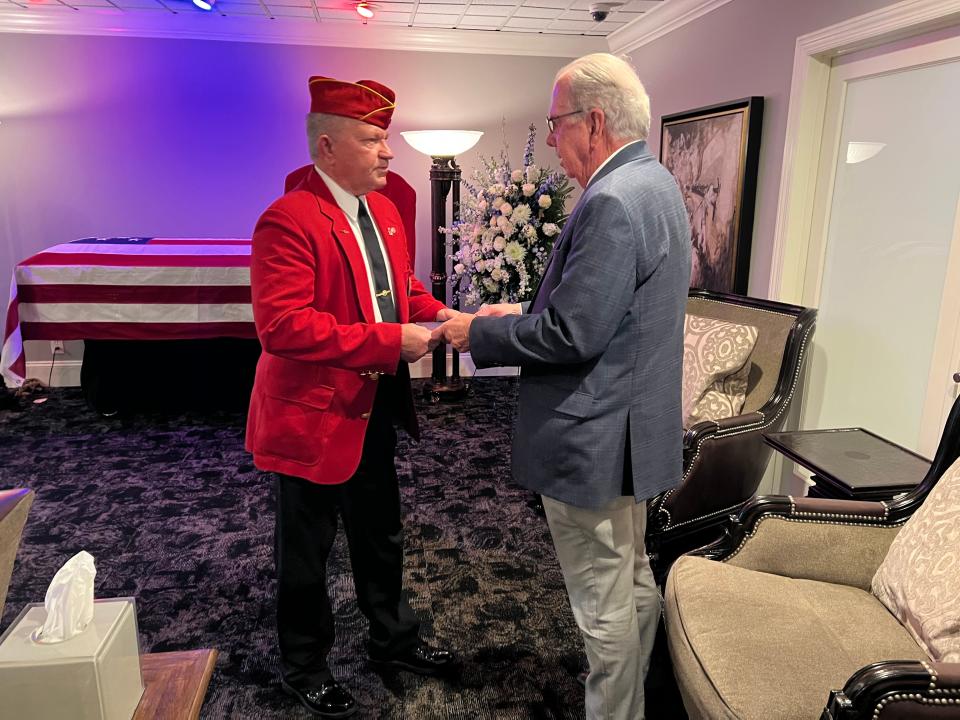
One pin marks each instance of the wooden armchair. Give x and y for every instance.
(724, 460)
(777, 619)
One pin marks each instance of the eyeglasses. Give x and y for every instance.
(552, 121)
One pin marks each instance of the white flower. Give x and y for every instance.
(496, 189)
(516, 175)
(498, 262)
(490, 285)
(480, 266)
(482, 205)
(530, 232)
(506, 209)
(521, 214)
(499, 243)
(472, 298)
(528, 189)
(498, 203)
(550, 229)
(514, 251)
(493, 220)
(544, 201)
(489, 264)
(486, 245)
(459, 268)
(532, 172)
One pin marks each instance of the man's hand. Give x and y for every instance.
(447, 314)
(415, 342)
(456, 331)
(499, 310)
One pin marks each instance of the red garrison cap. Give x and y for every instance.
(365, 100)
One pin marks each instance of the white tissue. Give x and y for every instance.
(69, 600)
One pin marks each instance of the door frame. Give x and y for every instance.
(805, 122)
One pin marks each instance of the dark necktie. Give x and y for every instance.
(381, 281)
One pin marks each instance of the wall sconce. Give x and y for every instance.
(442, 146)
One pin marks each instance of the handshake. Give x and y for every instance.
(416, 341)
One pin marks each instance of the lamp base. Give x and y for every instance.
(446, 390)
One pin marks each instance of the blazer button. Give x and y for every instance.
(365, 416)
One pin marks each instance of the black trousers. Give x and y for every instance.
(306, 525)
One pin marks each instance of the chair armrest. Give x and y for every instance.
(837, 541)
(898, 690)
(698, 432)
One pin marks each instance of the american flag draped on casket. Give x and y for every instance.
(128, 289)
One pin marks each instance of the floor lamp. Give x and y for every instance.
(442, 146)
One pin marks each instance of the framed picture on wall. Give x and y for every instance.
(713, 152)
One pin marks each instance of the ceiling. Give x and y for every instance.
(554, 17)
(543, 28)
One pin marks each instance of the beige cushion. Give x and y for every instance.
(919, 580)
(754, 646)
(715, 367)
(14, 506)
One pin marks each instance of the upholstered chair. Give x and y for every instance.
(830, 609)
(14, 506)
(724, 455)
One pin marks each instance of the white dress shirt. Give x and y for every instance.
(350, 205)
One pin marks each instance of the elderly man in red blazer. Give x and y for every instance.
(335, 302)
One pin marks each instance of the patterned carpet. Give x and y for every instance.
(176, 515)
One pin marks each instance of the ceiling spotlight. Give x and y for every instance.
(364, 10)
(204, 4)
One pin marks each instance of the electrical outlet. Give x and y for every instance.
(56, 347)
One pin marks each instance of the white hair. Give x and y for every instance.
(322, 124)
(605, 81)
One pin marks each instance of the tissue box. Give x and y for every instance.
(93, 676)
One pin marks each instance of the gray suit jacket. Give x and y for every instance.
(601, 348)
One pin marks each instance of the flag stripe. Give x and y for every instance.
(199, 252)
(198, 294)
(137, 331)
(134, 313)
(207, 241)
(87, 275)
(92, 258)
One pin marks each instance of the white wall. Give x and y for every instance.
(743, 48)
(103, 136)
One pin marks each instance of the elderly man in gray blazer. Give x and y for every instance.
(600, 345)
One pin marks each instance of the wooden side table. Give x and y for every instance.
(851, 463)
(174, 684)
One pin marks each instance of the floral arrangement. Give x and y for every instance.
(510, 219)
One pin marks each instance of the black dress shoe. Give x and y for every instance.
(330, 700)
(421, 659)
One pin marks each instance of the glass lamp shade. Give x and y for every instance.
(441, 143)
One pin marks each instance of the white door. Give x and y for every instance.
(883, 265)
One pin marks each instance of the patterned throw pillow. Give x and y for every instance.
(715, 367)
(919, 579)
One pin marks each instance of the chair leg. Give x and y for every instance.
(663, 701)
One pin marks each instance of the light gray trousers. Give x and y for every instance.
(614, 598)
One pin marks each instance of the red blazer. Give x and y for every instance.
(322, 349)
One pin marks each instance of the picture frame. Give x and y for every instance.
(714, 154)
